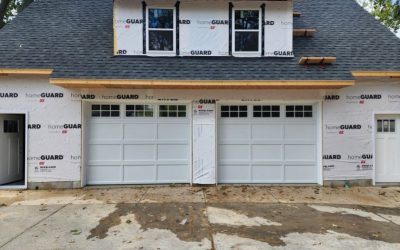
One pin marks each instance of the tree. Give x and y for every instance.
(386, 11)
(10, 8)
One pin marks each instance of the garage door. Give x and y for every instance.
(138, 143)
(267, 143)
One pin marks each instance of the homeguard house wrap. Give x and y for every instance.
(198, 91)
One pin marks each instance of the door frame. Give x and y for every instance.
(85, 118)
(319, 130)
(374, 115)
(19, 112)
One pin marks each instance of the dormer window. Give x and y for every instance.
(246, 31)
(161, 30)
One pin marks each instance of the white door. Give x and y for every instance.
(138, 143)
(387, 148)
(12, 146)
(267, 143)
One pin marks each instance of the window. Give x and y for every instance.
(233, 111)
(161, 29)
(10, 126)
(299, 111)
(247, 30)
(139, 111)
(266, 111)
(105, 110)
(386, 126)
(172, 110)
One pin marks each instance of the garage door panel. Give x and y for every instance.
(173, 152)
(139, 173)
(134, 148)
(300, 132)
(300, 173)
(139, 152)
(140, 131)
(300, 152)
(104, 152)
(102, 174)
(234, 152)
(267, 131)
(234, 173)
(105, 131)
(173, 131)
(267, 173)
(280, 135)
(267, 152)
(173, 173)
(234, 132)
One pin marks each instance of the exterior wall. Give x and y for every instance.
(55, 118)
(349, 127)
(204, 27)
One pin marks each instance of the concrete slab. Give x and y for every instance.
(112, 195)
(238, 194)
(184, 217)
(184, 194)
(15, 220)
(372, 196)
(80, 227)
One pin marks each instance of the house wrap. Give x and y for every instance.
(198, 92)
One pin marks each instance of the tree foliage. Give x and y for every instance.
(388, 12)
(10, 8)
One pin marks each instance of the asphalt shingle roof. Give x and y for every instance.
(75, 38)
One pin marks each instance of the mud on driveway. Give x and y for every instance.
(195, 218)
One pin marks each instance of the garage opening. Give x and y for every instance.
(138, 143)
(12, 151)
(267, 143)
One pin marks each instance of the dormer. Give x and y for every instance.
(203, 28)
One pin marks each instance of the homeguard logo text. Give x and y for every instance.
(362, 165)
(63, 128)
(207, 101)
(283, 53)
(201, 52)
(342, 128)
(83, 96)
(184, 21)
(331, 97)
(34, 126)
(394, 98)
(134, 21)
(52, 157)
(332, 157)
(361, 98)
(8, 95)
(220, 22)
(127, 96)
(52, 95)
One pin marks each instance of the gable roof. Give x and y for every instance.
(75, 39)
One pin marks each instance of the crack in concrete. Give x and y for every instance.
(210, 231)
(37, 223)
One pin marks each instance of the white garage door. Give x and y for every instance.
(267, 143)
(138, 143)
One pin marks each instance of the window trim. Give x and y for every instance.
(144, 110)
(260, 26)
(106, 117)
(187, 109)
(161, 52)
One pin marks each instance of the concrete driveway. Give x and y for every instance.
(182, 217)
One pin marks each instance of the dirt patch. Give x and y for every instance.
(186, 220)
(299, 218)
